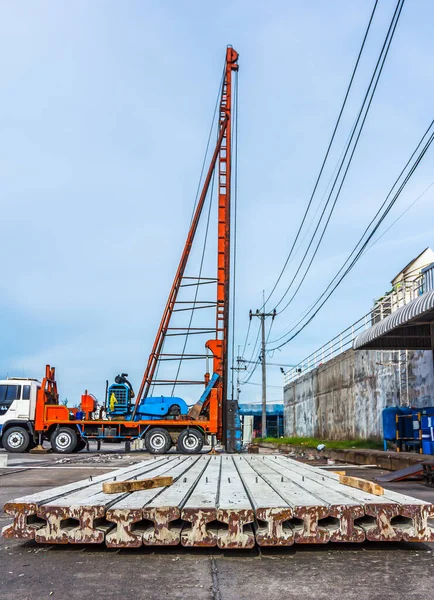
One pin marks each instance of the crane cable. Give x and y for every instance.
(213, 121)
(235, 195)
(197, 285)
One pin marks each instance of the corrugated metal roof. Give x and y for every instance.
(404, 317)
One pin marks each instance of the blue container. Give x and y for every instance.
(428, 411)
(427, 421)
(428, 433)
(389, 422)
(415, 423)
(406, 423)
(427, 446)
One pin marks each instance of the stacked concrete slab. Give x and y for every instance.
(225, 501)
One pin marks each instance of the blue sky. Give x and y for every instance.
(105, 111)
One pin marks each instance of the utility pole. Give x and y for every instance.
(263, 316)
(238, 368)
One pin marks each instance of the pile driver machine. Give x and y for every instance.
(31, 413)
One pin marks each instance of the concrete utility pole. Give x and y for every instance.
(240, 361)
(263, 316)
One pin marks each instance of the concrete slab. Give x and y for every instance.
(315, 508)
(365, 571)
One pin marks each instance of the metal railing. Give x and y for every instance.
(330, 350)
(403, 293)
(428, 278)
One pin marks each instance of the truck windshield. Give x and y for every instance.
(8, 393)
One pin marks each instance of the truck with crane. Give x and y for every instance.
(30, 411)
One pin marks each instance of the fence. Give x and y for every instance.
(402, 294)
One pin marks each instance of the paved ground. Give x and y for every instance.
(344, 572)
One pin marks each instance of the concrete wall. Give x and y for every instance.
(344, 398)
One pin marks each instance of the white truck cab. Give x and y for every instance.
(17, 412)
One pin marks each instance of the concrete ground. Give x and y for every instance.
(335, 571)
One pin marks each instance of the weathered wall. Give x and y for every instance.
(344, 398)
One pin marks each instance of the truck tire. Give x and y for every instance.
(190, 441)
(64, 440)
(81, 445)
(16, 439)
(158, 441)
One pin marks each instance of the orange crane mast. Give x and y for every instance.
(218, 346)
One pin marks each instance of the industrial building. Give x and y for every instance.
(339, 391)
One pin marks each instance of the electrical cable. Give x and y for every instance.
(279, 387)
(250, 374)
(260, 358)
(326, 154)
(370, 92)
(400, 216)
(247, 337)
(361, 251)
(308, 309)
(365, 231)
(256, 343)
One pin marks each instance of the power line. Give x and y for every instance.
(262, 316)
(278, 387)
(366, 103)
(363, 247)
(271, 363)
(404, 212)
(252, 371)
(258, 360)
(326, 155)
(403, 170)
(255, 345)
(247, 337)
(309, 308)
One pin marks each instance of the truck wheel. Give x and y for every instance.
(81, 445)
(190, 441)
(64, 440)
(16, 439)
(157, 441)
